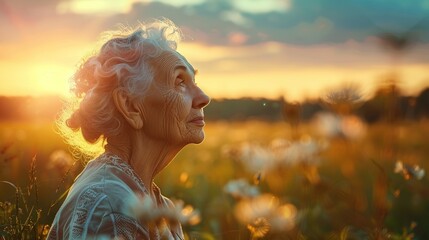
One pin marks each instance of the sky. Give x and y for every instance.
(295, 49)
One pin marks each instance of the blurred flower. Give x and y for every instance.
(45, 230)
(231, 151)
(327, 124)
(185, 180)
(249, 210)
(279, 143)
(285, 217)
(396, 193)
(240, 189)
(257, 158)
(353, 127)
(409, 171)
(186, 214)
(60, 160)
(148, 210)
(265, 212)
(259, 228)
(184, 176)
(303, 151)
(280, 152)
(311, 173)
(6, 207)
(348, 126)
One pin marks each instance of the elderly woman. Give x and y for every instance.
(138, 95)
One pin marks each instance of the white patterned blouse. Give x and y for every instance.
(99, 205)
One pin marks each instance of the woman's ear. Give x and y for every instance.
(127, 108)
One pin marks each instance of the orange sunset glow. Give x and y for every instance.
(39, 71)
(42, 44)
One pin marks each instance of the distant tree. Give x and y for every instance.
(343, 100)
(384, 105)
(422, 103)
(243, 109)
(291, 112)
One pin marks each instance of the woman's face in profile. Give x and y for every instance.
(173, 105)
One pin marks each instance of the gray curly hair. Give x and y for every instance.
(121, 62)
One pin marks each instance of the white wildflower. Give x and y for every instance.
(240, 189)
(259, 228)
(399, 166)
(262, 206)
(409, 171)
(280, 152)
(285, 217)
(330, 125)
(304, 151)
(147, 210)
(327, 124)
(278, 144)
(60, 160)
(257, 158)
(266, 208)
(185, 214)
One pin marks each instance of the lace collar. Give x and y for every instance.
(113, 160)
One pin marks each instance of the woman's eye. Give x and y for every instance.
(181, 82)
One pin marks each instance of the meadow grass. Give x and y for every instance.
(351, 193)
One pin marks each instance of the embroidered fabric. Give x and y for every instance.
(123, 166)
(99, 205)
(85, 203)
(127, 229)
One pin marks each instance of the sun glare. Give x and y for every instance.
(37, 79)
(51, 79)
(95, 6)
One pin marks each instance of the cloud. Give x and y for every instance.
(265, 6)
(301, 22)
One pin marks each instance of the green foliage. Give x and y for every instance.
(21, 219)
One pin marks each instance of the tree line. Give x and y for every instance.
(387, 104)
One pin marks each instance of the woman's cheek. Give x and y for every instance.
(178, 105)
(173, 113)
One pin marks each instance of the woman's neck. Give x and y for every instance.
(145, 155)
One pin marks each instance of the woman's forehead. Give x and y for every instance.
(170, 60)
(186, 63)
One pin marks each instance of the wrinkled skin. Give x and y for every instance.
(172, 101)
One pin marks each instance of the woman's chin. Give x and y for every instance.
(198, 138)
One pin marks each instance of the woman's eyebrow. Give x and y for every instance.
(184, 68)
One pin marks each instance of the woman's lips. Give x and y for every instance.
(199, 121)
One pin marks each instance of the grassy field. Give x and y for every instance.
(296, 183)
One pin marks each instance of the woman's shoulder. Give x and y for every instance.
(94, 210)
(112, 192)
(89, 204)
(108, 196)
(110, 172)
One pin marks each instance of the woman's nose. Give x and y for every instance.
(200, 99)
